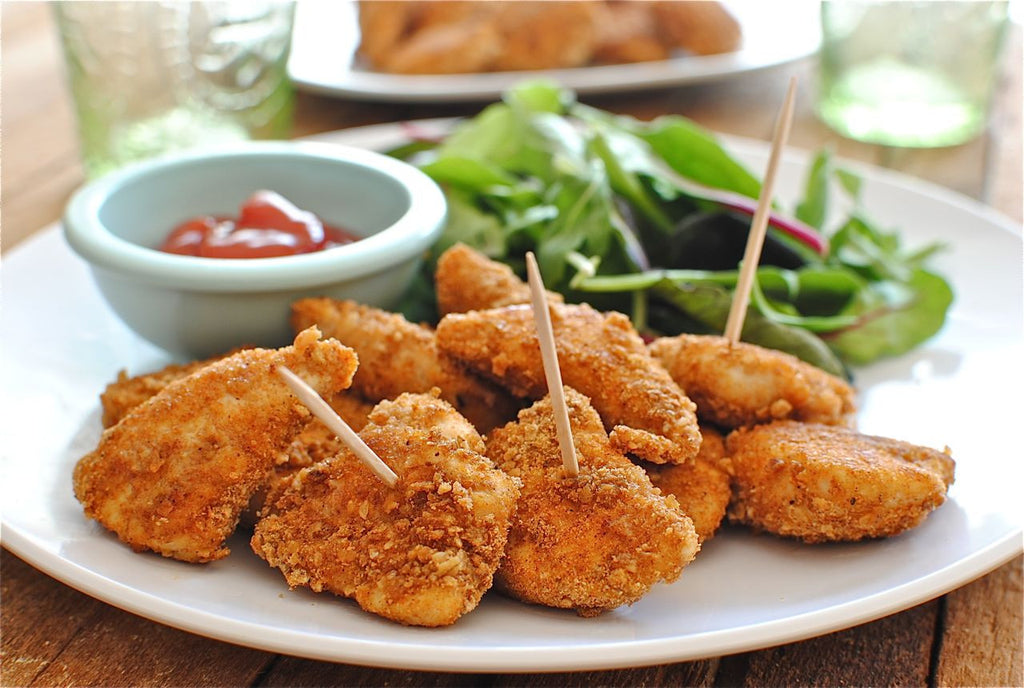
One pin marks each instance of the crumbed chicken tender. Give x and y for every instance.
(467, 280)
(175, 474)
(420, 553)
(737, 384)
(600, 355)
(314, 443)
(823, 483)
(126, 392)
(397, 356)
(589, 543)
(700, 486)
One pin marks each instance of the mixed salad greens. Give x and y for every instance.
(651, 219)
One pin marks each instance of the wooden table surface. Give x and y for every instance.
(53, 635)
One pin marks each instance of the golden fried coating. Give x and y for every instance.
(397, 356)
(824, 482)
(590, 543)
(700, 486)
(467, 280)
(125, 393)
(742, 384)
(314, 443)
(421, 553)
(175, 474)
(699, 26)
(601, 355)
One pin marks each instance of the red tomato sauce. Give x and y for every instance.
(268, 225)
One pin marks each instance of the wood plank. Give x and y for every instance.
(41, 616)
(291, 671)
(699, 673)
(982, 640)
(54, 635)
(115, 648)
(893, 651)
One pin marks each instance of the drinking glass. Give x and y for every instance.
(152, 77)
(913, 74)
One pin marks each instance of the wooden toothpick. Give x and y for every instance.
(552, 373)
(759, 225)
(322, 410)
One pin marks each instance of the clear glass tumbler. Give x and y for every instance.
(911, 74)
(153, 77)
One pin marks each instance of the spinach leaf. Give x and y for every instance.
(651, 218)
(904, 315)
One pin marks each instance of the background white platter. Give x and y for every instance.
(323, 58)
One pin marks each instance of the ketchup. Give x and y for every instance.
(268, 225)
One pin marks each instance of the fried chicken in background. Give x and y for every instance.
(466, 36)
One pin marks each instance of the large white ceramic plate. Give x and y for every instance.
(326, 35)
(61, 345)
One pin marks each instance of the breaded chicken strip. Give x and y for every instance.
(737, 384)
(700, 486)
(314, 443)
(421, 553)
(590, 543)
(175, 474)
(397, 356)
(311, 444)
(601, 355)
(822, 483)
(125, 393)
(467, 280)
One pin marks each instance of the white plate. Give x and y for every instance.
(326, 35)
(61, 345)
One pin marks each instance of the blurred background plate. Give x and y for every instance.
(326, 35)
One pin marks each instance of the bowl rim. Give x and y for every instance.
(412, 233)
